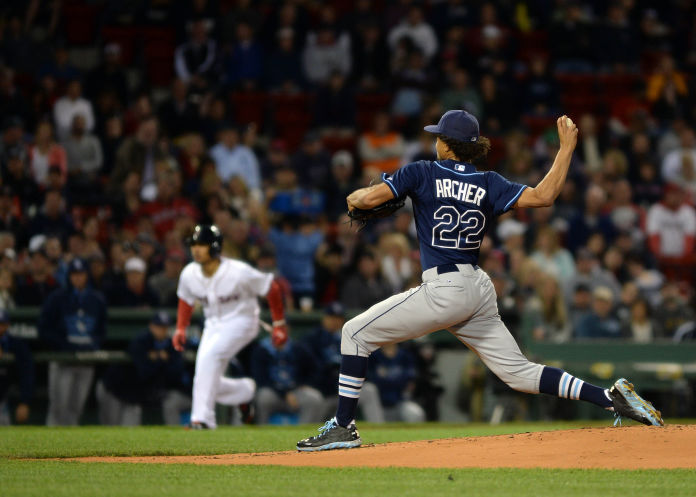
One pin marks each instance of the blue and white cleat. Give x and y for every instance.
(331, 436)
(631, 405)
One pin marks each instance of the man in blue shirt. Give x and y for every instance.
(454, 204)
(73, 319)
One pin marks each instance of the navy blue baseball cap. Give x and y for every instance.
(77, 265)
(4, 317)
(458, 125)
(335, 309)
(161, 318)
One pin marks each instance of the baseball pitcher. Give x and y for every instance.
(453, 205)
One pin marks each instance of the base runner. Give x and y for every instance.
(228, 290)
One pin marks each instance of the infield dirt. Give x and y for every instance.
(634, 447)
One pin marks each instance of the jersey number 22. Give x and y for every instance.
(458, 230)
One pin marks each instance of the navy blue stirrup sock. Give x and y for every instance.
(557, 382)
(350, 381)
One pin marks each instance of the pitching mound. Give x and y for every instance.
(635, 447)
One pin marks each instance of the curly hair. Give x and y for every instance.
(472, 152)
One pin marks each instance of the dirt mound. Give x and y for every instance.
(635, 447)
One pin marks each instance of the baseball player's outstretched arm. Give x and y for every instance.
(545, 193)
(369, 197)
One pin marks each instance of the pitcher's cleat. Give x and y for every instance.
(332, 436)
(631, 405)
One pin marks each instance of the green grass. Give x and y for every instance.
(28, 478)
(41, 442)
(21, 478)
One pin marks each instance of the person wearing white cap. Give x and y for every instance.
(136, 292)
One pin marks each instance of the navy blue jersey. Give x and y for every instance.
(453, 205)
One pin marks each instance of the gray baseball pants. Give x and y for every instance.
(462, 302)
(68, 388)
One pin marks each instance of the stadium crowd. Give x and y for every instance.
(260, 117)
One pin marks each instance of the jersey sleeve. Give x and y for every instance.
(183, 290)
(502, 193)
(257, 281)
(405, 180)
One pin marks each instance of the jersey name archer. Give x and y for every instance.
(453, 204)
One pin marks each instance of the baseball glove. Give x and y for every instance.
(362, 216)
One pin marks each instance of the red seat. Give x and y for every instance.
(125, 37)
(249, 107)
(578, 84)
(80, 21)
(336, 143)
(367, 105)
(538, 124)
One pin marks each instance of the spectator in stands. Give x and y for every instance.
(671, 225)
(673, 163)
(580, 303)
(330, 273)
(138, 154)
(626, 215)
(7, 284)
(541, 90)
(617, 40)
(109, 76)
(21, 370)
(571, 40)
(9, 221)
(460, 94)
(590, 220)
(12, 137)
(136, 292)
(545, 316)
(590, 273)
(284, 376)
(601, 321)
(499, 106)
(673, 311)
(551, 257)
(34, 288)
(15, 174)
(392, 370)
(179, 113)
(296, 242)
(165, 282)
(85, 161)
(266, 262)
(196, 60)
(169, 207)
(335, 107)
(70, 105)
(45, 153)
(395, 263)
(52, 219)
(366, 286)
(639, 327)
(415, 27)
(284, 66)
(233, 158)
(381, 148)
(244, 63)
(412, 82)
(342, 183)
(326, 51)
(371, 56)
(72, 319)
(312, 162)
(157, 376)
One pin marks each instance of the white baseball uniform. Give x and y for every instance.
(231, 309)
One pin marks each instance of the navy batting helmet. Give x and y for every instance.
(207, 234)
